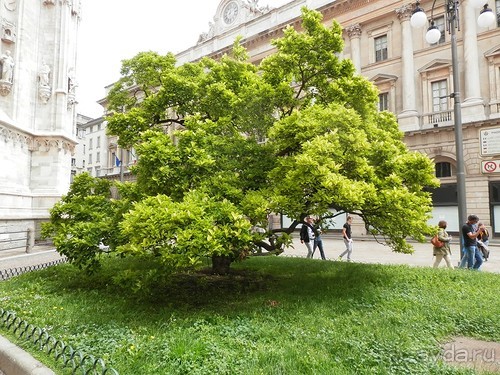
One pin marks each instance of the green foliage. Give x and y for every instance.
(333, 158)
(185, 233)
(298, 134)
(82, 219)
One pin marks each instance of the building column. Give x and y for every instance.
(354, 33)
(408, 118)
(473, 103)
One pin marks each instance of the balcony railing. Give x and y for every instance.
(438, 118)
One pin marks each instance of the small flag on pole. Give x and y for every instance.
(117, 161)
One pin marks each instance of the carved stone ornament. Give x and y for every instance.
(13, 136)
(5, 87)
(10, 5)
(76, 7)
(44, 94)
(71, 101)
(405, 12)
(44, 76)
(353, 31)
(49, 2)
(232, 14)
(8, 32)
(44, 144)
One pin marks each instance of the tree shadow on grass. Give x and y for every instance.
(271, 282)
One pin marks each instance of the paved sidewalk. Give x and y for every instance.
(19, 258)
(367, 250)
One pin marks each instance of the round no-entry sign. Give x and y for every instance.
(490, 166)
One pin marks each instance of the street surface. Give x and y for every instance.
(365, 250)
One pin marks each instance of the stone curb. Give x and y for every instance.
(15, 361)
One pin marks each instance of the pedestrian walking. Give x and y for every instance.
(471, 255)
(443, 252)
(347, 237)
(307, 235)
(318, 242)
(483, 241)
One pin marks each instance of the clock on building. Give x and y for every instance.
(230, 12)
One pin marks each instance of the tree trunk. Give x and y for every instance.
(220, 264)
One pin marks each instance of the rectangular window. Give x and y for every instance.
(99, 127)
(443, 169)
(98, 157)
(73, 162)
(381, 48)
(90, 158)
(497, 7)
(383, 101)
(495, 192)
(84, 149)
(444, 195)
(439, 23)
(98, 145)
(91, 144)
(440, 96)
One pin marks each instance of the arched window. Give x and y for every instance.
(443, 169)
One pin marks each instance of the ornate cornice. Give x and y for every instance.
(46, 143)
(9, 135)
(353, 31)
(341, 7)
(404, 13)
(36, 142)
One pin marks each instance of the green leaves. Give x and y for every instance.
(331, 157)
(223, 144)
(82, 219)
(185, 233)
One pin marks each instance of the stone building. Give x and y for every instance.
(37, 108)
(99, 154)
(415, 81)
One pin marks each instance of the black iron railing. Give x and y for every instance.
(79, 362)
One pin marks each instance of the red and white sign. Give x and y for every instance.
(490, 166)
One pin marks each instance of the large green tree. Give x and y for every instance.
(224, 144)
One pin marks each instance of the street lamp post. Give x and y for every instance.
(486, 18)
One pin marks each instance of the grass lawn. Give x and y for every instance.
(273, 315)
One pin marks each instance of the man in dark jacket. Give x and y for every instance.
(307, 235)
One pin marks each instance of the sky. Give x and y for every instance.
(114, 30)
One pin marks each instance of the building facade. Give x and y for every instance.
(414, 80)
(99, 154)
(37, 107)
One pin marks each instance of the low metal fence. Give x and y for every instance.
(11, 272)
(79, 362)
